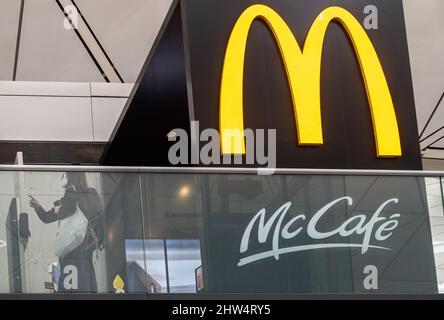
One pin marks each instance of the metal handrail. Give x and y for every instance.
(218, 170)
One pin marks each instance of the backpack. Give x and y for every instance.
(92, 207)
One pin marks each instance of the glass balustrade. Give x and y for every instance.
(189, 231)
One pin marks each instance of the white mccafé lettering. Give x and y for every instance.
(377, 227)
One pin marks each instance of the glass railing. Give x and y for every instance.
(156, 231)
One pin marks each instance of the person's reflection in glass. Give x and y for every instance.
(77, 194)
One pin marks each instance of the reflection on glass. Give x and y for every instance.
(210, 214)
(435, 202)
(31, 261)
(151, 273)
(183, 258)
(79, 215)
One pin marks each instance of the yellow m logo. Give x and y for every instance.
(303, 69)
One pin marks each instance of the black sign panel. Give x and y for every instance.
(318, 234)
(181, 82)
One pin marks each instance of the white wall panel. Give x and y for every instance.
(60, 111)
(67, 89)
(106, 112)
(45, 118)
(111, 89)
(432, 164)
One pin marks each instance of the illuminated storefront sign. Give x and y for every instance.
(303, 68)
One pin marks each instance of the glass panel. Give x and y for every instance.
(66, 232)
(151, 272)
(123, 222)
(173, 203)
(435, 202)
(10, 278)
(219, 233)
(183, 259)
(292, 233)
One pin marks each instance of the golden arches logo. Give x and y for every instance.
(303, 68)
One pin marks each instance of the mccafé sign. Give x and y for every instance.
(372, 228)
(303, 68)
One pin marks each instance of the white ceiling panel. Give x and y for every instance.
(439, 143)
(49, 52)
(425, 27)
(9, 18)
(125, 29)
